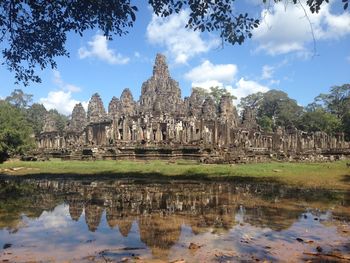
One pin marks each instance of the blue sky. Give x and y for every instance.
(280, 56)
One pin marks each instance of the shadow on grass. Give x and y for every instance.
(151, 177)
(258, 183)
(346, 178)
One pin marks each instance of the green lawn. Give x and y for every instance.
(334, 175)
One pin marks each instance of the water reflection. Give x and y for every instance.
(159, 220)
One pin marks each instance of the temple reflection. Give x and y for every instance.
(159, 210)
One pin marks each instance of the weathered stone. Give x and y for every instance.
(78, 120)
(160, 89)
(162, 125)
(93, 214)
(50, 123)
(249, 118)
(96, 111)
(209, 109)
(114, 108)
(227, 111)
(127, 105)
(194, 104)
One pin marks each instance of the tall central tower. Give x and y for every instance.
(160, 93)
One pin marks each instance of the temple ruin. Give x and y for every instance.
(162, 125)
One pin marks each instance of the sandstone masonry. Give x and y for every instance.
(163, 125)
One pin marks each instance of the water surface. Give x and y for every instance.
(82, 220)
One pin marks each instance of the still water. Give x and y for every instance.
(84, 220)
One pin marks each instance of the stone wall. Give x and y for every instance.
(163, 125)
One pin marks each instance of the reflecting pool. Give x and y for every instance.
(107, 220)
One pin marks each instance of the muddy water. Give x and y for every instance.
(137, 221)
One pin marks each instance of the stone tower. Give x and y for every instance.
(113, 108)
(127, 103)
(227, 111)
(49, 123)
(209, 109)
(249, 118)
(96, 111)
(194, 104)
(78, 121)
(161, 89)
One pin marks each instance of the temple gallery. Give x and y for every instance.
(162, 125)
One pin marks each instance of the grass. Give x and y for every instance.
(335, 175)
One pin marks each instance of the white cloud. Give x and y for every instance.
(98, 48)
(267, 72)
(137, 54)
(209, 75)
(62, 101)
(274, 82)
(208, 71)
(57, 79)
(181, 43)
(246, 87)
(58, 218)
(208, 84)
(286, 29)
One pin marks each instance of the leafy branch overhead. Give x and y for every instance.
(33, 33)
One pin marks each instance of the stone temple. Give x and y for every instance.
(162, 125)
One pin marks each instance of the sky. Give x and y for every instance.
(283, 54)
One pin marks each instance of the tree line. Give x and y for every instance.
(21, 120)
(328, 112)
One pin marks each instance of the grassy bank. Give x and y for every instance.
(335, 175)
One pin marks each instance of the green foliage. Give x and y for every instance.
(289, 113)
(29, 24)
(336, 103)
(35, 116)
(314, 5)
(215, 93)
(329, 112)
(203, 92)
(19, 99)
(252, 101)
(15, 132)
(212, 15)
(266, 123)
(346, 125)
(26, 25)
(60, 120)
(320, 120)
(273, 108)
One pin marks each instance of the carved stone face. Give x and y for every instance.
(78, 121)
(49, 123)
(113, 107)
(96, 111)
(127, 103)
(209, 109)
(161, 89)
